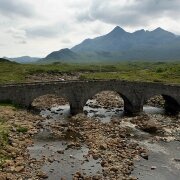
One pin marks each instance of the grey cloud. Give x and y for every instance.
(66, 41)
(10, 8)
(132, 13)
(158, 7)
(2, 44)
(47, 31)
(22, 42)
(85, 16)
(18, 34)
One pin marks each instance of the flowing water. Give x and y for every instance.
(163, 163)
(71, 160)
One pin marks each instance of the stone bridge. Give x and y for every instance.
(134, 94)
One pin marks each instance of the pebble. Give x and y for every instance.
(144, 155)
(153, 167)
(42, 175)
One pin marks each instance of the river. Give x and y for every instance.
(62, 161)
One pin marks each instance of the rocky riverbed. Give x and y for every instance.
(53, 145)
(53, 76)
(20, 127)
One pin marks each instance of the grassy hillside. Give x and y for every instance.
(140, 71)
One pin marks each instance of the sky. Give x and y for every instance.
(38, 27)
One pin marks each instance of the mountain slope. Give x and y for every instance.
(63, 55)
(120, 40)
(3, 60)
(119, 45)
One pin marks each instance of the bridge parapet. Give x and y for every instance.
(77, 93)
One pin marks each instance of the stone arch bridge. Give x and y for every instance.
(77, 93)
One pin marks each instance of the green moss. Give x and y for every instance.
(22, 129)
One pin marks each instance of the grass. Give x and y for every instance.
(4, 130)
(150, 72)
(22, 129)
(11, 104)
(4, 138)
(136, 71)
(13, 72)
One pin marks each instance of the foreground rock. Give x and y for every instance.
(107, 99)
(48, 101)
(157, 101)
(109, 143)
(21, 126)
(113, 143)
(52, 76)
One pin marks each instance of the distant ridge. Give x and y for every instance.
(24, 59)
(3, 60)
(119, 45)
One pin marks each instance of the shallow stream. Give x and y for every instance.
(63, 162)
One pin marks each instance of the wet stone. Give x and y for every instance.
(60, 151)
(144, 155)
(42, 175)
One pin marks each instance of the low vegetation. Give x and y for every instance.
(6, 134)
(4, 129)
(140, 71)
(151, 72)
(21, 129)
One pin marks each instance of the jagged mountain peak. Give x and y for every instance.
(117, 30)
(122, 45)
(159, 32)
(159, 29)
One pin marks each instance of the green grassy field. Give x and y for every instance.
(133, 71)
(151, 72)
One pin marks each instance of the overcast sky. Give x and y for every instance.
(38, 27)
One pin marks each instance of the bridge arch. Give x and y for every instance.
(78, 106)
(170, 104)
(106, 100)
(48, 101)
(78, 92)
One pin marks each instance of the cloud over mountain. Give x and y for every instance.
(119, 45)
(40, 26)
(130, 12)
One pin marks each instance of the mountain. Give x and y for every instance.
(119, 45)
(3, 60)
(113, 41)
(63, 55)
(120, 40)
(24, 59)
